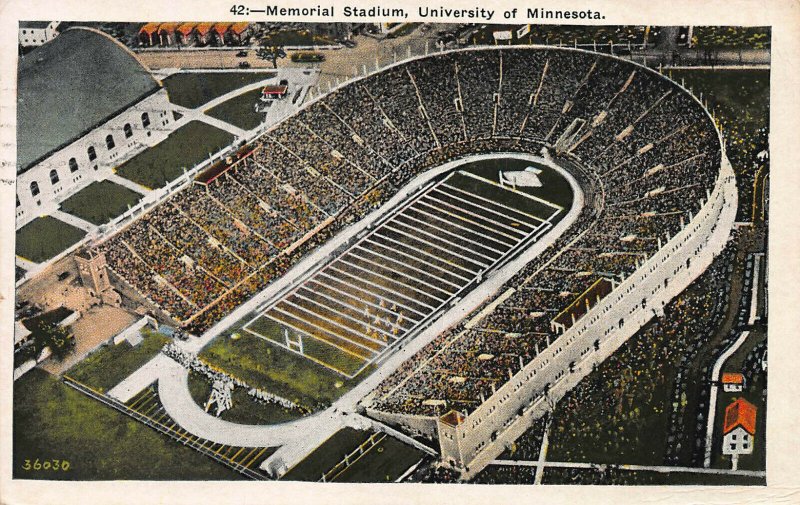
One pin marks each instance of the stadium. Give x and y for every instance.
(506, 217)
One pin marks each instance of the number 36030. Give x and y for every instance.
(47, 464)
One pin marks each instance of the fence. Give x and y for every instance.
(359, 451)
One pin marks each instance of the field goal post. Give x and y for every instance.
(294, 344)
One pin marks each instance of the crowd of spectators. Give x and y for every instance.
(645, 146)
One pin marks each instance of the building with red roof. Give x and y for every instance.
(739, 428)
(148, 34)
(732, 382)
(184, 34)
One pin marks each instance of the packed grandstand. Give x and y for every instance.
(646, 154)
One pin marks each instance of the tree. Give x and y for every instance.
(58, 339)
(271, 53)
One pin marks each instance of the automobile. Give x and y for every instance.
(284, 82)
(244, 64)
(307, 57)
(241, 54)
(349, 43)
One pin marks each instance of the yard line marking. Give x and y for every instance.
(311, 335)
(427, 201)
(441, 259)
(351, 318)
(321, 316)
(466, 238)
(370, 272)
(482, 206)
(480, 264)
(362, 290)
(371, 241)
(493, 202)
(405, 265)
(399, 276)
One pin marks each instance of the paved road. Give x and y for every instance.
(648, 468)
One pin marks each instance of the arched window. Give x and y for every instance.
(110, 142)
(34, 188)
(73, 165)
(53, 176)
(145, 119)
(92, 153)
(128, 130)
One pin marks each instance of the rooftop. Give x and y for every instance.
(740, 413)
(69, 86)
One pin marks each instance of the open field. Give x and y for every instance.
(100, 202)
(385, 462)
(327, 455)
(109, 365)
(275, 369)
(45, 237)
(240, 110)
(193, 89)
(184, 148)
(53, 421)
(244, 409)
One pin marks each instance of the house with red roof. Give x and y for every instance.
(184, 34)
(739, 429)
(732, 382)
(148, 34)
(203, 33)
(238, 34)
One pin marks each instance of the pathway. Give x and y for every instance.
(633, 468)
(74, 221)
(133, 186)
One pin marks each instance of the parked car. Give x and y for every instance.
(244, 64)
(241, 54)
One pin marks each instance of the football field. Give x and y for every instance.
(404, 272)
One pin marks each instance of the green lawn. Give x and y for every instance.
(240, 110)
(313, 348)
(277, 370)
(100, 202)
(244, 409)
(184, 148)
(326, 455)
(383, 463)
(109, 365)
(53, 421)
(193, 89)
(45, 237)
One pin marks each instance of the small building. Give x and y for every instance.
(739, 429)
(185, 34)
(732, 382)
(218, 33)
(166, 33)
(238, 34)
(203, 33)
(36, 33)
(275, 92)
(148, 34)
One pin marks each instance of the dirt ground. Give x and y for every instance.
(96, 325)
